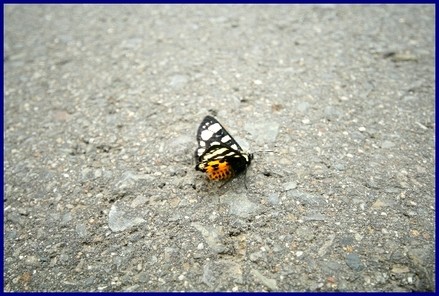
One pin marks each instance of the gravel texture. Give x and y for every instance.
(101, 108)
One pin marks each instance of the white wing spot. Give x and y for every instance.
(206, 135)
(215, 127)
(225, 139)
(234, 146)
(202, 144)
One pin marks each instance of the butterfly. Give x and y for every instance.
(218, 154)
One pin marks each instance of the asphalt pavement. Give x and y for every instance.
(101, 108)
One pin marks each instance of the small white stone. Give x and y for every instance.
(358, 237)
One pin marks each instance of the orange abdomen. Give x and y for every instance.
(219, 170)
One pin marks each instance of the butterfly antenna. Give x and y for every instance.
(267, 150)
(245, 179)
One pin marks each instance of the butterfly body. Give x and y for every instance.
(218, 154)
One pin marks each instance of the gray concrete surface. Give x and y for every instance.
(101, 108)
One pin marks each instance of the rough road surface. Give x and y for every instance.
(101, 108)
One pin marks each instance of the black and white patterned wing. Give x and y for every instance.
(211, 133)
